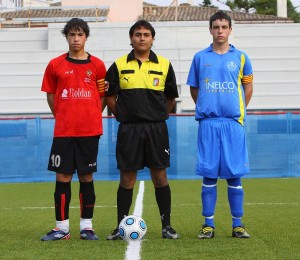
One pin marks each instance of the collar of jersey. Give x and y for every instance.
(78, 61)
(210, 48)
(152, 57)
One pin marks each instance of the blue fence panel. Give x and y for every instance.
(273, 144)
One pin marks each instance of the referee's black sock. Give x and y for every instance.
(124, 200)
(163, 199)
(62, 198)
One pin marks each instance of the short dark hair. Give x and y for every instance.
(76, 24)
(139, 24)
(220, 15)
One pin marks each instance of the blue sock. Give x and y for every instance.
(209, 200)
(210, 221)
(236, 200)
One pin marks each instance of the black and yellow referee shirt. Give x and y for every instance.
(142, 88)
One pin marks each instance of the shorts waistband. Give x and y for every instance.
(218, 119)
(142, 122)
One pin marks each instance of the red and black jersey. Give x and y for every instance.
(77, 86)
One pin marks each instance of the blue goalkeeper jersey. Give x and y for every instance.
(220, 79)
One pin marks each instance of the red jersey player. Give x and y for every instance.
(74, 83)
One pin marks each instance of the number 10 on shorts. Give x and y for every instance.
(55, 160)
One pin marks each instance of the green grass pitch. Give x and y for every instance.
(272, 217)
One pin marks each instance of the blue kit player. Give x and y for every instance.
(220, 80)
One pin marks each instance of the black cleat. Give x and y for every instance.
(115, 235)
(169, 233)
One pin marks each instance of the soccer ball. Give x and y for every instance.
(132, 228)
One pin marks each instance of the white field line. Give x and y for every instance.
(173, 205)
(71, 207)
(245, 203)
(134, 247)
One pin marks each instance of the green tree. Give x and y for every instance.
(292, 12)
(268, 7)
(240, 5)
(207, 3)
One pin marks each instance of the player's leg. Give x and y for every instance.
(235, 198)
(86, 152)
(62, 198)
(125, 193)
(157, 158)
(236, 201)
(129, 155)
(61, 160)
(234, 165)
(124, 199)
(209, 200)
(163, 199)
(162, 194)
(87, 199)
(208, 166)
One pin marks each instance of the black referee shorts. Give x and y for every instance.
(144, 144)
(69, 154)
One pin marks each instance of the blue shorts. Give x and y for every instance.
(222, 150)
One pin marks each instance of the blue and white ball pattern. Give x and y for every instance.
(132, 228)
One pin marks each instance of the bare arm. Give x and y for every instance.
(103, 103)
(50, 100)
(111, 102)
(194, 93)
(248, 89)
(171, 104)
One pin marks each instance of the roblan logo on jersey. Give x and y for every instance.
(80, 93)
(231, 65)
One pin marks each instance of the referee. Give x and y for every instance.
(141, 94)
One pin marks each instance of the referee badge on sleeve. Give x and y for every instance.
(156, 82)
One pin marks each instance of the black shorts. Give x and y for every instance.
(69, 154)
(142, 145)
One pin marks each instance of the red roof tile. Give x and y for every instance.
(196, 13)
(152, 13)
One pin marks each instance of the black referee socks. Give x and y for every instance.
(163, 199)
(124, 200)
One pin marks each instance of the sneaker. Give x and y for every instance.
(240, 232)
(169, 233)
(206, 232)
(88, 234)
(115, 234)
(56, 234)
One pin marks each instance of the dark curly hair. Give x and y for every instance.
(220, 15)
(76, 24)
(139, 24)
